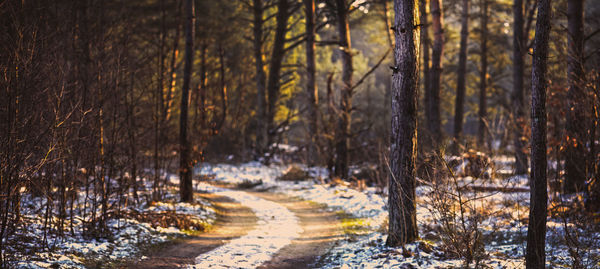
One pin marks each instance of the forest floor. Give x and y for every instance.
(257, 218)
(230, 242)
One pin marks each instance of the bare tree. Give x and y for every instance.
(425, 53)
(434, 122)
(344, 121)
(576, 123)
(461, 83)
(186, 164)
(311, 85)
(518, 95)
(401, 200)
(481, 130)
(260, 77)
(536, 232)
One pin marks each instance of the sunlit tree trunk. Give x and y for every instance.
(536, 232)
(402, 183)
(278, 52)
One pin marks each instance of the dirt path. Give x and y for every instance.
(320, 230)
(233, 221)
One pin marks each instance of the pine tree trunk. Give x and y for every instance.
(344, 120)
(425, 52)
(518, 96)
(536, 232)
(402, 183)
(481, 131)
(261, 78)
(277, 55)
(576, 124)
(434, 122)
(185, 165)
(311, 85)
(461, 83)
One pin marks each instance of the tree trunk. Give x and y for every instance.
(344, 120)
(481, 131)
(576, 124)
(388, 92)
(261, 78)
(518, 94)
(402, 183)
(536, 232)
(185, 166)
(311, 85)
(434, 122)
(425, 52)
(277, 55)
(460, 83)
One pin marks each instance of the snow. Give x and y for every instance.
(501, 220)
(276, 228)
(127, 237)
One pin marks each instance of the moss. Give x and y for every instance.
(351, 225)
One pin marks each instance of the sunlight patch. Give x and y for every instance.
(276, 228)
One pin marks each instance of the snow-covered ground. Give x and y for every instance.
(276, 228)
(496, 218)
(496, 222)
(75, 250)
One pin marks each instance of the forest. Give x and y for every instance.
(300, 134)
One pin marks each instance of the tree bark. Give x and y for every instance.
(434, 122)
(344, 120)
(311, 85)
(425, 53)
(518, 95)
(275, 68)
(536, 232)
(481, 131)
(185, 165)
(576, 124)
(261, 78)
(402, 183)
(460, 83)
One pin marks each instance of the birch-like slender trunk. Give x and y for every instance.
(535, 256)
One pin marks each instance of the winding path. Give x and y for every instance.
(255, 230)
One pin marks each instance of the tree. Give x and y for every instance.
(185, 164)
(518, 96)
(576, 127)
(462, 72)
(260, 77)
(311, 84)
(481, 130)
(434, 122)
(275, 65)
(425, 52)
(401, 200)
(344, 119)
(536, 232)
